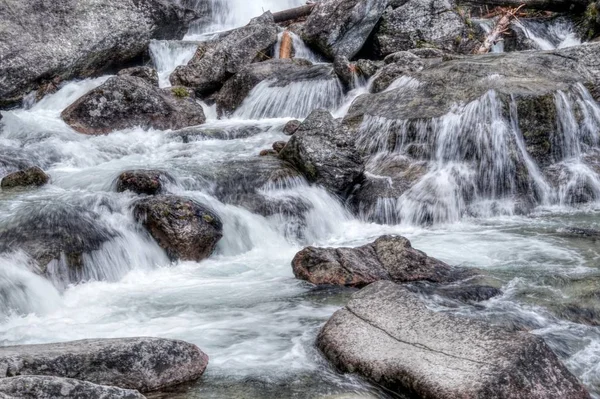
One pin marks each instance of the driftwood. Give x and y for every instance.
(293, 13)
(285, 49)
(501, 27)
(548, 5)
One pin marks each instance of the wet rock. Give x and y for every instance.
(466, 293)
(279, 72)
(199, 133)
(33, 176)
(148, 74)
(388, 335)
(150, 182)
(278, 146)
(42, 387)
(264, 153)
(398, 64)
(427, 52)
(145, 364)
(537, 121)
(368, 68)
(124, 102)
(52, 232)
(13, 159)
(291, 127)
(388, 258)
(341, 27)
(325, 153)
(217, 61)
(100, 35)
(184, 228)
(344, 70)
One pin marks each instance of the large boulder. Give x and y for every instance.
(340, 28)
(388, 335)
(422, 23)
(388, 258)
(33, 176)
(145, 364)
(43, 387)
(184, 228)
(141, 181)
(325, 153)
(148, 74)
(127, 101)
(44, 41)
(215, 62)
(279, 73)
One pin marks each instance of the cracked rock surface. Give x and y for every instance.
(389, 336)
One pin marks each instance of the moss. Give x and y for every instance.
(180, 92)
(590, 21)
(208, 218)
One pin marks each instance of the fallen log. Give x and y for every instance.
(293, 13)
(548, 5)
(501, 27)
(285, 49)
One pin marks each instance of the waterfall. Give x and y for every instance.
(549, 35)
(301, 50)
(168, 55)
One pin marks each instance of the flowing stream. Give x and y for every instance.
(243, 306)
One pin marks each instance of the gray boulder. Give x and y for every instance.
(184, 228)
(341, 27)
(42, 41)
(33, 176)
(217, 61)
(388, 335)
(325, 153)
(397, 64)
(127, 101)
(388, 258)
(148, 74)
(42, 387)
(139, 181)
(145, 364)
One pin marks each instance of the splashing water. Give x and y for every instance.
(168, 55)
(559, 33)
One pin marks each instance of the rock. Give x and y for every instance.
(325, 153)
(467, 293)
(184, 228)
(150, 182)
(145, 364)
(368, 68)
(278, 146)
(388, 258)
(344, 70)
(42, 41)
(215, 62)
(148, 74)
(386, 334)
(264, 153)
(398, 64)
(42, 387)
(341, 27)
(13, 159)
(49, 232)
(291, 127)
(426, 52)
(33, 176)
(421, 24)
(124, 102)
(199, 133)
(279, 73)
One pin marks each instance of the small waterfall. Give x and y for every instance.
(301, 50)
(296, 99)
(168, 55)
(549, 35)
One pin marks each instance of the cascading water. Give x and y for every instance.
(300, 49)
(168, 55)
(558, 33)
(243, 305)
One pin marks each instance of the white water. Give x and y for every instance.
(168, 55)
(559, 33)
(243, 306)
(300, 49)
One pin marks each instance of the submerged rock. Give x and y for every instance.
(126, 101)
(148, 182)
(145, 364)
(217, 61)
(43, 387)
(148, 74)
(45, 41)
(325, 153)
(184, 228)
(389, 336)
(33, 176)
(341, 27)
(388, 258)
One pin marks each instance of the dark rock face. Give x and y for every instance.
(537, 121)
(49, 231)
(386, 334)
(325, 153)
(341, 27)
(186, 229)
(291, 127)
(33, 176)
(145, 364)
(418, 24)
(99, 35)
(217, 61)
(126, 101)
(280, 71)
(148, 74)
(388, 258)
(42, 387)
(148, 182)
